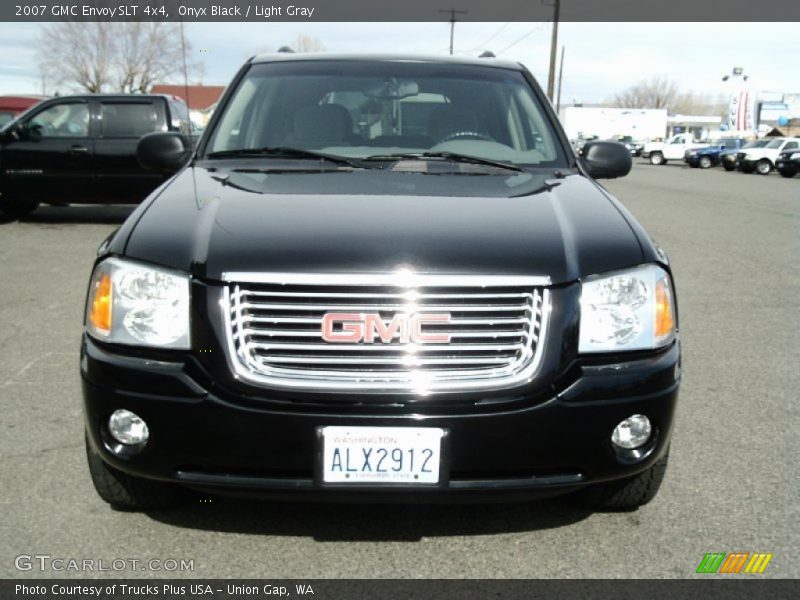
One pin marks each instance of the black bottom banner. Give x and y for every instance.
(376, 589)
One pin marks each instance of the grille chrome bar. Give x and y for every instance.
(386, 347)
(497, 329)
(387, 307)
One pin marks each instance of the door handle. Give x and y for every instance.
(79, 150)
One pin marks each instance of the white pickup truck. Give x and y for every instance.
(672, 149)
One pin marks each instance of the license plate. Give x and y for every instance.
(381, 454)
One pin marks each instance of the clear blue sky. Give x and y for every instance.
(601, 58)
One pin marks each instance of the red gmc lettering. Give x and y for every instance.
(354, 328)
(417, 321)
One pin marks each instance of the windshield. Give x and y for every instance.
(5, 117)
(756, 144)
(724, 142)
(775, 144)
(359, 109)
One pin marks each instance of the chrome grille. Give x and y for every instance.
(496, 328)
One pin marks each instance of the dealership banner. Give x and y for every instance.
(741, 110)
(391, 10)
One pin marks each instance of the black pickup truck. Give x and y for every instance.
(380, 278)
(82, 149)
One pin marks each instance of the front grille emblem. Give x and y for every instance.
(368, 328)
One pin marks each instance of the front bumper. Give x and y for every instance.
(748, 163)
(208, 439)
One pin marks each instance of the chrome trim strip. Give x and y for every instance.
(451, 308)
(400, 278)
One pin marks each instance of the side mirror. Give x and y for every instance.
(166, 152)
(606, 160)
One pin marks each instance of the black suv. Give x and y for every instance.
(788, 163)
(380, 278)
(82, 149)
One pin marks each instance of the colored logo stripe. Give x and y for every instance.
(758, 563)
(734, 562)
(711, 562)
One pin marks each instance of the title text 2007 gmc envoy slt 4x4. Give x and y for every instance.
(380, 278)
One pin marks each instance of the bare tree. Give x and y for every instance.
(77, 54)
(128, 57)
(307, 43)
(657, 92)
(150, 52)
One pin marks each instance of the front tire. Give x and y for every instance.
(728, 167)
(627, 494)
(787, 173)
(11, 210)
(764, 167)
(705, 162)
(126, 492)
(657, 158)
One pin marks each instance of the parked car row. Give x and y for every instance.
(634, 146)
(83, 149)
(711, 154)
(759, 156)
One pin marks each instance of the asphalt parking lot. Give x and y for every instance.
(734, 241)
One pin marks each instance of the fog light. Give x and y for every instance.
(128, 428)
(632, 433)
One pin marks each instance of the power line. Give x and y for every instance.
(523, 4)
(496, 33)
(530, 33)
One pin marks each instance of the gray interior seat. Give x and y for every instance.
(322, 125)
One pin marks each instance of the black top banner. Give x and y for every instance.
(399, 10)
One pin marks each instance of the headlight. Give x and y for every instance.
(627, 310)
(130, 303)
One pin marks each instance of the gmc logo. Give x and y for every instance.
(353, 328)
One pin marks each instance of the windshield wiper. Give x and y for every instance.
(283, 152)
(452, 156)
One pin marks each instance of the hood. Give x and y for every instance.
(210, 222)
(760, 152)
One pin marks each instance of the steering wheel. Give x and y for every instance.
(465, 134)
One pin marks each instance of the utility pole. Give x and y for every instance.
(453, 13)
(551, 78)
(560, 74)
(185, 71)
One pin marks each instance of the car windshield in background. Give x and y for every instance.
(5, 117)
(775, 144)
(755, 144)
(361, 109)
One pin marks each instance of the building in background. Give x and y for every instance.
(201, 99)
(779, 114)
(703, 127)
(610, 123)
